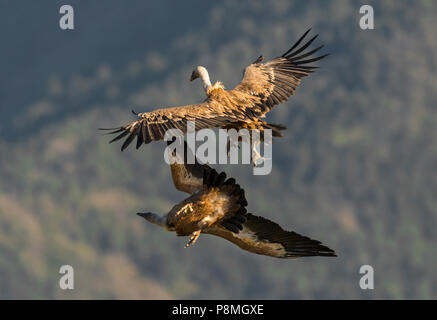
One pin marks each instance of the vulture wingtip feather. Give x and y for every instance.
(297, 43)
(107, 128)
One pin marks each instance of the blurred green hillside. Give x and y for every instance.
(356, 168)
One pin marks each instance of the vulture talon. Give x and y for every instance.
(229, 145)
(193, 238)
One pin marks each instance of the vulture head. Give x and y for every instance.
(202, 73)
(196, 72)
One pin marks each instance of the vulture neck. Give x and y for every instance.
(205, 78)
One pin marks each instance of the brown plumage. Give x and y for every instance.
(217, 206)
(263, 86)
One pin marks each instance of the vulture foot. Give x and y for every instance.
(229, 145)
(193, 238)
(257, 159)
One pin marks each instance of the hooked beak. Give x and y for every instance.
(193, 76)
(145, 215)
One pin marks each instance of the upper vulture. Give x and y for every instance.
(217, 206)
(264, 85)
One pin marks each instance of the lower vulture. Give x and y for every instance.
(217, 206)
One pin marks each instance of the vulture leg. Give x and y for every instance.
(193, 238)
(203, 224)
(229, 145)
(256, 156)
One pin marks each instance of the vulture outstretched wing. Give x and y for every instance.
(234, 219)
(153, 125)
(262, 236)
(275, 81)
(188, 177)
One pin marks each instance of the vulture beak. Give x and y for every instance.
(145, 215)
(153, 218)
(193, 76)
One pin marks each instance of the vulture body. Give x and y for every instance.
(217, 206)
(264, 85)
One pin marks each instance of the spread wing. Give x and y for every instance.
(265, 237)
(187, 177)
(152, 126)
(275, 81)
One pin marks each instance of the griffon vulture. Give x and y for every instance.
(217, 206)
(264, 85)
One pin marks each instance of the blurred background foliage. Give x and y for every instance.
(356, 168)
